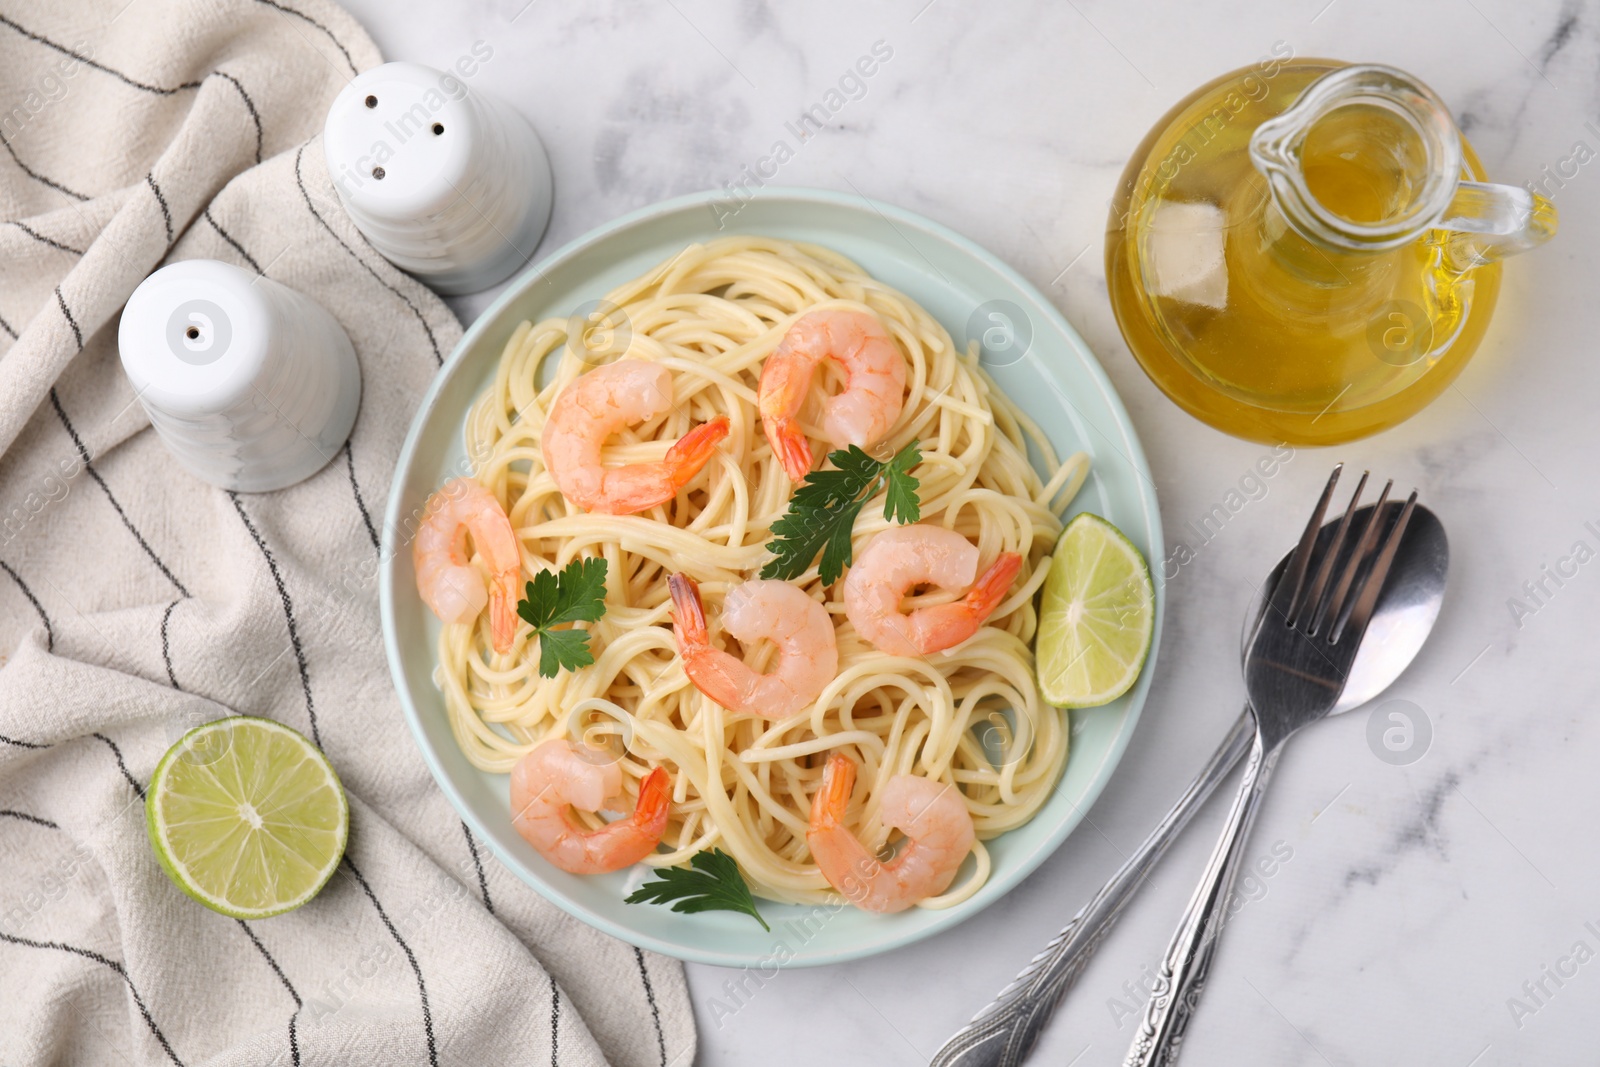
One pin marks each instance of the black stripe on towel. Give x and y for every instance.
(49, 631)
(166, 213)
(361, 504)
(41, 238)
(113, 965)
(477, 863)
(8, 328)
(294, 1019)
(166, 645)
(655, 1011)
(20, 744)
(121, 765)
(66, 313)
(555, 1023)
(25, 817)
(255, 116)
(228, 237)
(83, 453)
(300, 181)
(422, 988)
(81, 58)
(288, 616)
(301, 14)
(36, 176)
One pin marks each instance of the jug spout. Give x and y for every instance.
(1489, 222)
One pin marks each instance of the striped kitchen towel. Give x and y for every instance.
(136, 601)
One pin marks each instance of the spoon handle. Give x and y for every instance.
(1005, 1031)
(1188, 960)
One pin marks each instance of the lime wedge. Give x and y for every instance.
(247, 817)
(1097, 616)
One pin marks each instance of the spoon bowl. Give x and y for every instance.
(1407, 607)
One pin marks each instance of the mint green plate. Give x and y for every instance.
(1053, 377)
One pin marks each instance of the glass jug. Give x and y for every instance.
(1306, 252)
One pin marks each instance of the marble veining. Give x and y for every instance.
(1424, 903)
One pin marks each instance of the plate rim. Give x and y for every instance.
(1133, 452)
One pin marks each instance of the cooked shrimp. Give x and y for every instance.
(808, 657)
(875, 384)
(597, 405)
(933, 817)
(446, 581)
(905, 556)
(557, 776)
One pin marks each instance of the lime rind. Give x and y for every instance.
(1096, 616)
(247, 817)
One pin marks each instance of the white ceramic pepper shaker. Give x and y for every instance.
(449, 184)
(252, 385)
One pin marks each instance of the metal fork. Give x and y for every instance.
(1295, 669)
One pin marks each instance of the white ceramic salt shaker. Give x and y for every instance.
(252, 385)
(447, 183)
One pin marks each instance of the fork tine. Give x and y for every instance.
(1361, 613)
(1307, 609)
(1294, 575)
(1359, 557)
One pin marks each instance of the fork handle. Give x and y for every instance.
(1005, 1031)
(1183, 971)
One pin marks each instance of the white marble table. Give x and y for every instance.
(1421, 905)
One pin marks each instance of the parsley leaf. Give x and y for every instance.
(712, 882)
(902, 504)
(824, 509)
(577, 594)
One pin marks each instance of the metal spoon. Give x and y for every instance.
(1006, 1030)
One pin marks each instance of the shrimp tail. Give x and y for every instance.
(789, 445)
(503, 611)
(655, 800)
(688, 612)
(691, 451)
(992, 585)
(785, 376)
(829, 804)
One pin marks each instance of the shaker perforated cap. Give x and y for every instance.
(446, 182)
(400, 141)
(194, 337)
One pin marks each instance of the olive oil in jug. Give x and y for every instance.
(1309, 255)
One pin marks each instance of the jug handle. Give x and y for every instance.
(1486, 223)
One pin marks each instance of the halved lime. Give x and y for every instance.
(247, 817)
(1097, 616)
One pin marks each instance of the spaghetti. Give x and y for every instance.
(970, 717)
